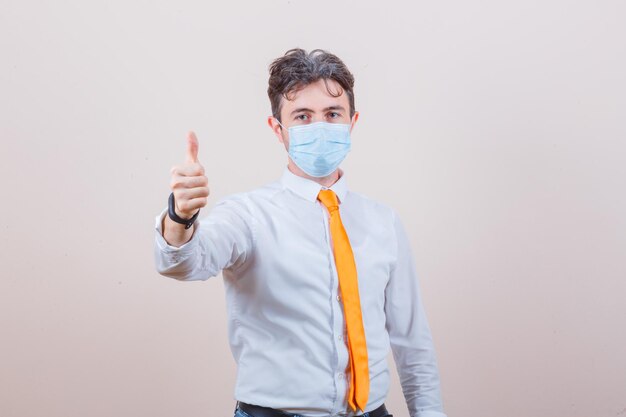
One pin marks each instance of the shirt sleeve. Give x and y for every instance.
(222, 239)
(409, 333)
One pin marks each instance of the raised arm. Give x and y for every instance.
(220, 240)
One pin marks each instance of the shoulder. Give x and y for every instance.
(371, 206)
(249, 199)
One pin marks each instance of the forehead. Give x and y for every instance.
(316, 96)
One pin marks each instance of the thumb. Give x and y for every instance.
(192, 147)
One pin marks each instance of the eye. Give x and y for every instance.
(333, 115)
(301, 117)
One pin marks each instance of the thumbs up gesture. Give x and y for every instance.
(189, 184)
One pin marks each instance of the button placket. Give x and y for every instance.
(339, 327)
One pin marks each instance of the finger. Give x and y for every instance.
(179, 181)
(192, 148)
(182, 194)
(197, 203)
(192, 170)
(188, 206)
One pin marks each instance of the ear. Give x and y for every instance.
(354, 119)
(276, 128)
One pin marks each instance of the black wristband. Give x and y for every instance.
(172, 213)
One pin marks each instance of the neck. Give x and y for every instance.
(326, 181)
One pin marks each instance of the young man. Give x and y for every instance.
(320, 281)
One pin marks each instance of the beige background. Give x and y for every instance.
(496, 129)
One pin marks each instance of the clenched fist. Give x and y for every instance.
(189, 184)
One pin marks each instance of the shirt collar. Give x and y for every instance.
(309, 189)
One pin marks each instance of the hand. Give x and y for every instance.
(189, 184)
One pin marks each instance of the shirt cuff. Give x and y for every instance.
(430, 413)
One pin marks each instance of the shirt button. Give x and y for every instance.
(340, 375)
(339, 298)
(340, 337)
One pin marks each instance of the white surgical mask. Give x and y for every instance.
(318, 148)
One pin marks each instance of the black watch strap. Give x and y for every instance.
(171, 211)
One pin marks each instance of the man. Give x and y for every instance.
(320, 281)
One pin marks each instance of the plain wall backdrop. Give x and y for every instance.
(495, 128)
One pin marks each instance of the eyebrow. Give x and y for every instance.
(304, 109)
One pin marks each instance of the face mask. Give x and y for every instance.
(318, 148)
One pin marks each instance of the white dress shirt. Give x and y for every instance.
(285, 317)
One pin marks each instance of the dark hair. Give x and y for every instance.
(297, 69)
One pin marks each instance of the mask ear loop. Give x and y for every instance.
(281, 125)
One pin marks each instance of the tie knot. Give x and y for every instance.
(329, 199)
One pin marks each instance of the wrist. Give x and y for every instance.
(181, 218)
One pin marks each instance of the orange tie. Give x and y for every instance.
(348, 283)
